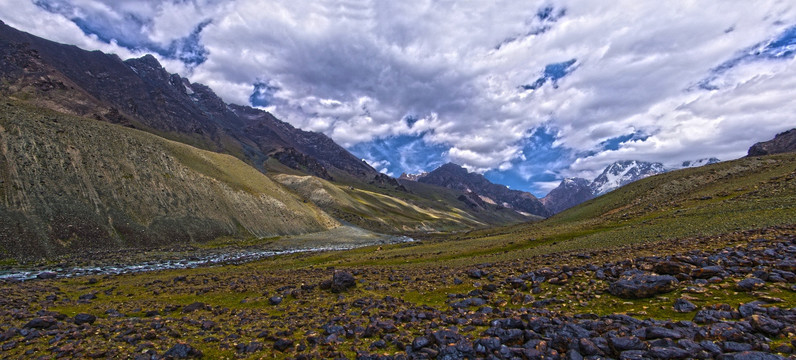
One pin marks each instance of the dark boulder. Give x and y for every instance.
(683, 306)
(182, 351)
(707, 272)
(44, 322)
(193, 307)
(642, 286)
(283, 344)
(750, 284)
(342, 281)
(84, 319)
(275, 300)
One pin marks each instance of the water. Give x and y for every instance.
(235, 256)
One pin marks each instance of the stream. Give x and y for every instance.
(225, 257)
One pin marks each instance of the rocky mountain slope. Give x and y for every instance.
(139, 93)
(571, 192)
(480, 192)
(781, 143)
(63, 187)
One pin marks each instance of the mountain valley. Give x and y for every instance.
(142, 217)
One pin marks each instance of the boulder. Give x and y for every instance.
(642, 286)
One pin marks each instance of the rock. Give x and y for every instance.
(732, 346)
(750, 355)
(475, 273)
(87, 297)
(193, 307)
(671, 268)
(342, 281)
(44, 322)
(182, 351)
(657, 332)
(46, 275)
(84, 318)
(283, 344)
(766, 325)
(707, 272)
(275, 300)
(249, 348)
(683, 306)
(642, 286)
(420, 342)
(668, 353)
(750, 284)
(623, 343)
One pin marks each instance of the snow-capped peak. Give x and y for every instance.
(622, 173)
(698, 163)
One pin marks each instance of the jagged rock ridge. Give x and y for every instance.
(781, 143)
(453, 176)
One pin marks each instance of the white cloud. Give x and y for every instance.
(355, 70)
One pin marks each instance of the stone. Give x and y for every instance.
(283, 344)
(749, 355)
(671, 268)
(275, 300)
(683, 306)
(193, 307)
(84, 318)
(750, 284)
(707, 272)
(475, 273)
(623, 343)
(44, 322)
(46, 275)
(642, 286)
(182, 351)
(342, 281)
(766, 325)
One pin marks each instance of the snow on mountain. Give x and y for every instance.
(698, 163)
(624, 172)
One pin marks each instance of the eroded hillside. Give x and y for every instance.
(69, 183)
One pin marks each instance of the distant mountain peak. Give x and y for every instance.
(454, 176)
(623, 172)
(700, 162)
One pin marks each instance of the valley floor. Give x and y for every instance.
(730, 296)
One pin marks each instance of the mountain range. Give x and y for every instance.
(573, 191)
(100, 152)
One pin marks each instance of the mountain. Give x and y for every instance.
(412, 177)
(621, 173)
(453, 176)
(571, 192)
(698, 163)
(70, 184)
(139, 93)
(781, 143)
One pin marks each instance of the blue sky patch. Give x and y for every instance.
(263, 94)
(552, 73)
(542, 163)
(130, 32)
(782, 47)
(405, 153)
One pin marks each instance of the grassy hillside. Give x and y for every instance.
(423, 209)
(727, 197)
(70, 183)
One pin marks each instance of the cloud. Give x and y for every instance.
(473, 81)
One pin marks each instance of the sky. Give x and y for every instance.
(526, 92)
